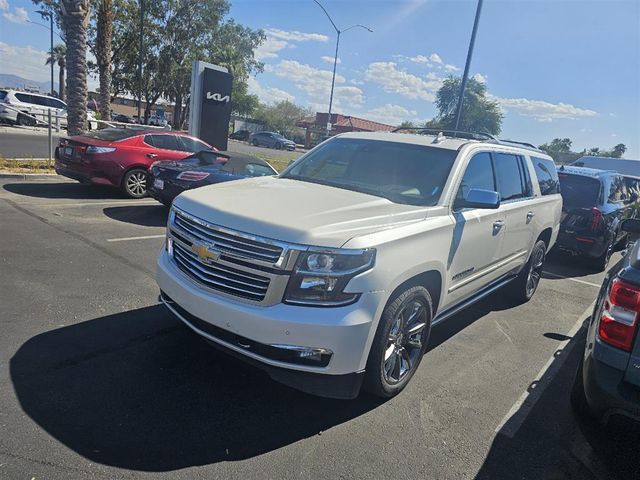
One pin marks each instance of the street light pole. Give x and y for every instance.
(465, 76)
(335, 58)
(51, 52)
(140, 60)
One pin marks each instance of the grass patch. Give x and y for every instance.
(279, 161)
(25, 165)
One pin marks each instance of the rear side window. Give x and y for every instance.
(617, 190)
(164, 142)
(190, 145)
(512, 181)
(547, 175)
(579, 191)
(24, 97)
(257, 170)
(3, 94)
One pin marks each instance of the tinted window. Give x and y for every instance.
(617, 190)
(547, 175)
(112, 134)
(24, 97)
(400, 172)
(511, 182)
(3, 94)
(190, 145)
(55, 103)
(165, 142)
(578, 191)
(479, 174)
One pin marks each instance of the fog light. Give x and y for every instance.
(305, 355)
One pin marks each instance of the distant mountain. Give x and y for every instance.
(14, 81)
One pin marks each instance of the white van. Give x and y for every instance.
(15, 104)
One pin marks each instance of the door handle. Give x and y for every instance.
(530, 215)
(152, 155)
(498, 224)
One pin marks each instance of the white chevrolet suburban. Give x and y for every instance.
(331, 275)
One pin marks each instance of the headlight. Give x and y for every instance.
(93, 150)
(320, 276)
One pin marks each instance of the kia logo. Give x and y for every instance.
(216, 97)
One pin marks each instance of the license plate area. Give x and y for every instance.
(158, 184)
(68, 151)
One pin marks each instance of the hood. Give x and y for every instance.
(295, 211)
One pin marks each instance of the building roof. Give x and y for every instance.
(344, 123)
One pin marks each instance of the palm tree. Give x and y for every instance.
(75, 17)
(58, 56)
(103, 55)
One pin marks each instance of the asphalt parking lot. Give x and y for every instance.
(99, 381)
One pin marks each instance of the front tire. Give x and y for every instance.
(400, 342)
(526, 283)
(134, 183)
(24, 120)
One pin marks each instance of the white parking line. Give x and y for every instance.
(518, 413)
(126, 239)
(577, 280)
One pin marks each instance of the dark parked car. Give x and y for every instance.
(122, 118)
(595, 202)
(241, 135)
(272, 140)
(166, 180)
(623, 166)
(118, 157)
(608, 377)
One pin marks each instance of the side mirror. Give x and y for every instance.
(631, 225)
(477, 198)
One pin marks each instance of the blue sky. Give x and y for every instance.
(558, 68)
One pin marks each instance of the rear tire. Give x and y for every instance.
(24, 120)
(602, 262)
(255, 143)
(134, 183)
(526, 283)
(400, 342)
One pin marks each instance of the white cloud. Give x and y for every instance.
(4, 5)
(435, 58)
(390, 114)
(328, 59)
(268, 95)
(432, 76)
(394, 80)
(19, 14)
(416, 59)
(316, 83)
(614, 134)
(451, 68)
(480, 78)
(295, 35)
(612, 115)
(269, 48)
(543, 111)
(353, 81)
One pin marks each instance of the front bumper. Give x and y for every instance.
(232, 325)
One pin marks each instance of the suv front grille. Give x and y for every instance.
(226, 241)
(220, 277)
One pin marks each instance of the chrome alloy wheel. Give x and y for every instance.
(404, 343)
(535, 271)
(137, 183)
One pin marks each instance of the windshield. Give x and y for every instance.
(578, 191)
(400, 172)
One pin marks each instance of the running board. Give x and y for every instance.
(451, 311)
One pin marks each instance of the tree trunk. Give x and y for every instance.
(103, 56)
(177, 112)
(75, 17)
(61, 86)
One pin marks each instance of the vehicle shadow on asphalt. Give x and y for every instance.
(138, 390)
(143, 215)
(550, 442)
(70, 190)
(559, 266)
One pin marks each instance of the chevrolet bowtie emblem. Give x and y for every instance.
(205, 253)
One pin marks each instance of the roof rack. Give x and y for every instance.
(450, 133)
(524, 144)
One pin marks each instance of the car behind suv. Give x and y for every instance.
(608, 377)
(595, 204)
(334, 272)
(271, 140)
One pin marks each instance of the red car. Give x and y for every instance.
(121, 157)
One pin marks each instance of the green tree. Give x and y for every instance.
(243, 103)
(619, 150)
(407, 124)
(59, 57)
(557, 146)
(282, 117)
(479, 114)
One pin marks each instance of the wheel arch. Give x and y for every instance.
(429, 279)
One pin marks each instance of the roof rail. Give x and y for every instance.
(449, 133)
(524, 144)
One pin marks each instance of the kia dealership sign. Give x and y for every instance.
(210, 107)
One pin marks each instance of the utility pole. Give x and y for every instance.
(465, 76)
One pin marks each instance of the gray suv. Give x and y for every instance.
(272, 140)
(608, 377)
